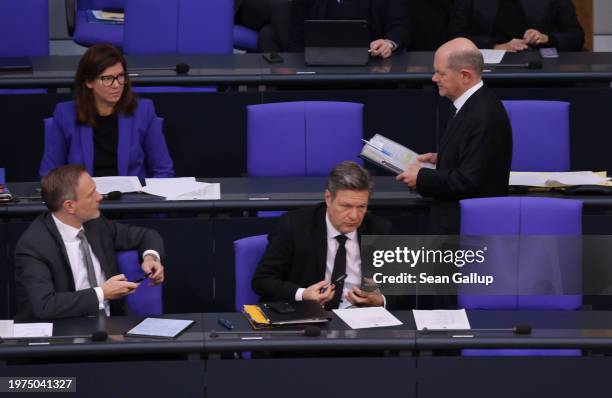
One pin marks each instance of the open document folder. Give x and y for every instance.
(183, 188)
(389, 155)
(558, 179)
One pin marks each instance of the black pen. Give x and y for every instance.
(225, 323)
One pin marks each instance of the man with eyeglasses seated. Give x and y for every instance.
(106, 128)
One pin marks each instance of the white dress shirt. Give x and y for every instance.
(77, 263)
(459, 102)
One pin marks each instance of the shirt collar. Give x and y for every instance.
(332, 232)
(67, 232)
(459, 102)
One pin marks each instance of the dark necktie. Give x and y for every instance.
(339, 269)
(453, 111)
(84, 246)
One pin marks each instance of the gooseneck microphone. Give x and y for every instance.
(112, 195)
(180, 68)
(518, 329)
(309, 331)
(533, 64)
(99, 335)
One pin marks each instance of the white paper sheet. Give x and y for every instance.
(157, 327)
(32, 330)
(6, 328)
(184, 188)
(492, 56)
(441, 319)
(559, 179)
(383, 150)
(369, 317)
(123, 184)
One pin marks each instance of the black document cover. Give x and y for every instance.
(305, 312)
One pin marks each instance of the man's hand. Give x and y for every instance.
(513, 45)
(313, 293)
(535, 37)
(358, 297)
(117, 286)
(409, 177)
(430, 157)
(153, 265)
(381, 48)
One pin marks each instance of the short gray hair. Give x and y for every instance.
(348, 176)
(466, 59)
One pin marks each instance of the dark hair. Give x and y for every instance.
(349, 176)
(60, 185)
(95, 60)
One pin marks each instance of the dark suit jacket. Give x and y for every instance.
(474, 19)
(429, 20)
(45, 284)
(387, 19)
(297, 252)
(474, 160)
(141, 150)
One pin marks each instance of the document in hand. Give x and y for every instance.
(441, 319)
(389, 154)
(557, 180)
(158, 327)
(183, 188)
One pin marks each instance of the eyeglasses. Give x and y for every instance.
(109, 80)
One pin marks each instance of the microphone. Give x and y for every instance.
(99, 335)
(533, 64)
(518, 329)
(309, 331)
(113, 195)
(180, 68)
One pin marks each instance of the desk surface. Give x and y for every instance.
(251, 69)
(551, 329)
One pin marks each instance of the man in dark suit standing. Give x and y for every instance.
(311, 247)
(65, 261)
(516, 25)
(475, 152)
(387, 21)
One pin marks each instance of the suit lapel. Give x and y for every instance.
(52, 228)
(86, 134)
(123, 149)
(320, 235)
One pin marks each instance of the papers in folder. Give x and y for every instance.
(557, 180)
(122, 184)
(10, 329)
(158, 327)
(306, 312)
(389, 155)
(184, 188)
(441, 319)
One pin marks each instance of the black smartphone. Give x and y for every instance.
(142, 278)
(281, 307)
(336, 282)
(273, 58)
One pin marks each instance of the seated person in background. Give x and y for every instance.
(313, 246)
(270, 18)
(106, 128)
(516, 25)
(429, 20)
(387, 21)
(65, 262)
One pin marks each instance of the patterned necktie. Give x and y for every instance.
(84, 246)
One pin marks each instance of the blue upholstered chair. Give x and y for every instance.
(89, 33)
(540, 131)
(529, 265)
(302, 138)
(245, 38)
(247, 253)
(146, 300)
(24, 32)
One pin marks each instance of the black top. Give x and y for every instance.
(105, 140)
(346, 9)
(509, 22)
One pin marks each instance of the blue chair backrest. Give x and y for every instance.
(146, 300)
(247, 253)
(302, 138)
(178, 27)
(528, 260)
(540, 132)
(24, 28)
(99, 4)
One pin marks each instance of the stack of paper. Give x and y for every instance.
(9, 329)
(555, 180)
(122, 184)
(184, 188)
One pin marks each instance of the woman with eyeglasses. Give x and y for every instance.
(106, 128)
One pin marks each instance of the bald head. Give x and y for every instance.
(458, 66)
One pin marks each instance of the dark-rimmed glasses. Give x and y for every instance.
(109, 80)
